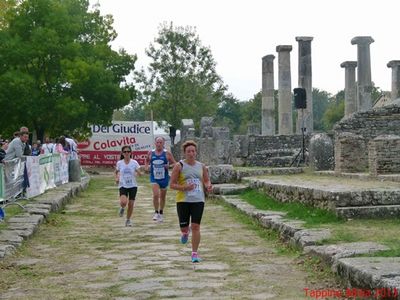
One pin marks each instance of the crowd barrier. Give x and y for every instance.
(35, 174)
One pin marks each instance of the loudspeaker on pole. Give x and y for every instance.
(300, 98)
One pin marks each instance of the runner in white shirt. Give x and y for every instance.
(125, 176)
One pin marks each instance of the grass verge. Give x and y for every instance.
(343, 231)
(310, 215)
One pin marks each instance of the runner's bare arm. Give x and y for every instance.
(139, 171)
(116, 173)
(206, 179)
(171, 159)
(147, 162)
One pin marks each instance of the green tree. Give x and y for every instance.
(58, 72)
(229, 113)
(334, 112)
(181, 80)
(320, 105)
(251, 112)
(5, 8)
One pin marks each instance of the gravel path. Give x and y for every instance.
(86, 252)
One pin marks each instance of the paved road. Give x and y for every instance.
(86, 252)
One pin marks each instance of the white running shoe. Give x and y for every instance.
(160, 218)
(128, 223)
(155, 216)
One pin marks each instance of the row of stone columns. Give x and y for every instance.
(358, 93)
(285, 89)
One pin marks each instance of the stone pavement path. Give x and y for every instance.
(86, 252)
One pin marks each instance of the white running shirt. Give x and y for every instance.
(127, 173)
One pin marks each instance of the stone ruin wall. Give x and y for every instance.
(367, 140)
(215, 146)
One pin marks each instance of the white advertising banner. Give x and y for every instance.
(64, 168)
(46, 172)
(32, 166)
(104, 146)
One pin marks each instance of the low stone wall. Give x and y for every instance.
(325, 198)
(227, 174)
(350, 153)
(372, 123)
(384, 155)
(260, 143)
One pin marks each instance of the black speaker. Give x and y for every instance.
(300, 98)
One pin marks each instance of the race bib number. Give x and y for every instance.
(128, 178)
(159, 172)
(196, 189)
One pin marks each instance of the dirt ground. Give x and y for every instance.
(86, 252)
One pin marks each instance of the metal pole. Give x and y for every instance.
(302, 132)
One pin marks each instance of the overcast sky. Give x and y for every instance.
(240, 33)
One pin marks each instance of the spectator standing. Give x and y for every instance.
(3, 149)
(73, 148)
(27, 148)
(35, 149)
(48, 146)
(59, 145)
(17, 146)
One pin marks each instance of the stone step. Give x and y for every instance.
(372, 211)
(229, 188)
(328, 195)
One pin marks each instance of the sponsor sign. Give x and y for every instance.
(46, 172)
(13, 177)
(32, 165)
(104, 146)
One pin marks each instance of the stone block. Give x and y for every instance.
(309, 237)
(321, 152)
(10, 237)
(331, 253)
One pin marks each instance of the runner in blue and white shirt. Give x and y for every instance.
(157, 163)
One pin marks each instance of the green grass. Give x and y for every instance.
(10, 211)
(381, 231)
(310, 215)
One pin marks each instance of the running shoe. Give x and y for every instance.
(155, 217)
(160, 218)
(184, 237)
(121, 211)
(128, 223)
(195, 258)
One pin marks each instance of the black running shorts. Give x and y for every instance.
(129, 192)
(187, 211)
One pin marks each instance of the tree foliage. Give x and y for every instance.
(181, 81)
(229, 113)
(58, 72)
(320, 105)
(334, 111)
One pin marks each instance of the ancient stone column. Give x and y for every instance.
(395, 65)
(285, 90)
(267, 106)
(305, 81)
(350, 89)
(364, 83)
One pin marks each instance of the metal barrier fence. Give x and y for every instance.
(32, 175)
